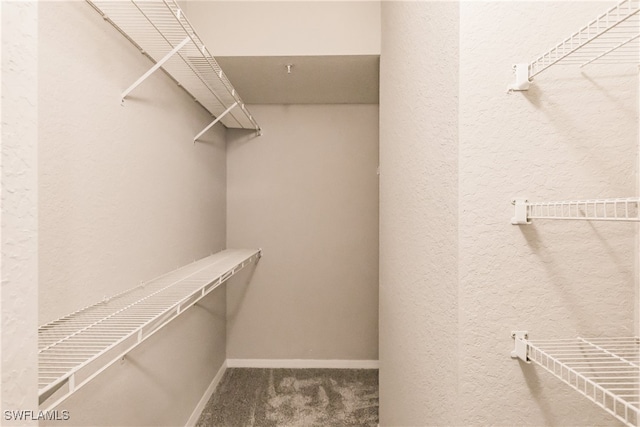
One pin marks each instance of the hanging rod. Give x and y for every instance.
(160, 29)
(621, 209)
(605, 370)
(613, 38)
(77, 348)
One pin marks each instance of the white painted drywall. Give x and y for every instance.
(573, 135)
(287, 28)
(19, 212)
(126, 196)
(445, 319)
(418, 214)
(306, 192)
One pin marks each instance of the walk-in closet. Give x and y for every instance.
(320, 213)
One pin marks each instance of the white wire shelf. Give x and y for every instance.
(611, 38)
(161, 31)
(620, 209)
(76, 348)
(605, 370)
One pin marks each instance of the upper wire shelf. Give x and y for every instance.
(76, 348)
(621, 209)
(605, 370)
(161, 31)
(611, 38)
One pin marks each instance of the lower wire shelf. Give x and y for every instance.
(76, 348)
(605, 370)
(618, 209)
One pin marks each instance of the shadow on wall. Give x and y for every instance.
(551, 249)
(534, 385)
(554, 269)
(582, 135)
(237, 289)
(621, 107)
(535, 93)
(239, 137)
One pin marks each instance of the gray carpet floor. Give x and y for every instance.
(293, 398)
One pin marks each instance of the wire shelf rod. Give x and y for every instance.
(77, 351)
(617, 47)
(96, 323)
(615, 209)
(615, 388)
(609, 353)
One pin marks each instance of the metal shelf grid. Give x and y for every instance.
(605, 370)
(617, 209)
(159, 29)
(76, 348)
(613, 37)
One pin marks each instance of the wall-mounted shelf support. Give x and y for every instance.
(520, 346)
(620, 209)
(155, 67)
(220, 117)
(522, 81)
(605, 370)
(520, 216)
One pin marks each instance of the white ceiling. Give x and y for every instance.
(335, 79)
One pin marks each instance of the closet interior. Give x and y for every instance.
(336, 198)
(82, 353)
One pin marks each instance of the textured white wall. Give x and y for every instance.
(277, 28)
(307, 193)
(418, 213)
(126, 196)
(572, 135)
(19, 210)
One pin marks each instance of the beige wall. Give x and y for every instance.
(126, 196)
(19, 209)
(306, 192)
(572, 135)
(286, 28)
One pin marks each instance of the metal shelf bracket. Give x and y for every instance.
(224, 113)
(155, 67)
(522, 81)
(520, 216)
(160, 29)
(521, 348)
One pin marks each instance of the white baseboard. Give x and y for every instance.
(193, 419)
(303, 363)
